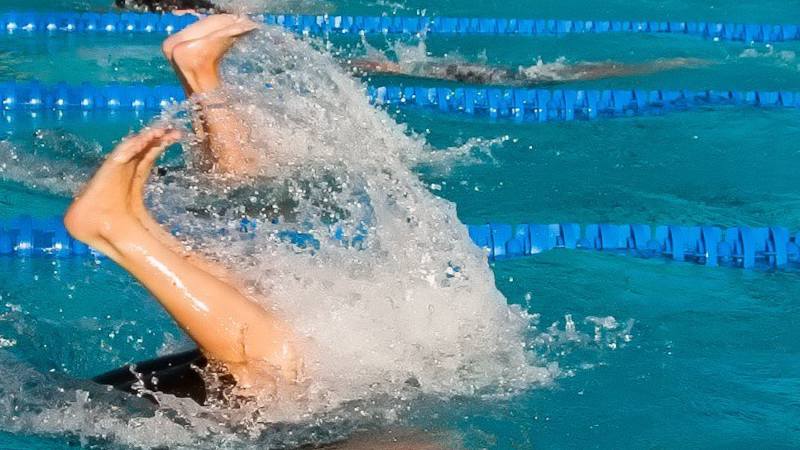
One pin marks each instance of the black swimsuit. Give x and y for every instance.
(178, 375)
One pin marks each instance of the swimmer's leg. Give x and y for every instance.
(229, 147)
(228, 326)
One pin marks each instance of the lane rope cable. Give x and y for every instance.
(743, 247)
(128, 22)
(537, 105)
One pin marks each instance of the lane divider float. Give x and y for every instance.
(742, 247)
(538, 105)
(128, 22)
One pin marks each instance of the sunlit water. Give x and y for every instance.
(409, 328)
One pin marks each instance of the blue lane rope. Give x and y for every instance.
(743, 247)
(545, 105)
(167, 23)
(540, 105)
(37, 96)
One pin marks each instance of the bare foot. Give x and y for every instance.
(224, 138)
(197, 61)
(138, 210)
(202, 27)
(142, 174)
(103, 208)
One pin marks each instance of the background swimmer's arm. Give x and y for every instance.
(486, 74)
(596, 71)
(372, 66)
(434, 70)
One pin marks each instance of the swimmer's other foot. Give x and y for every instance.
(103, 209)
(201, 28)
(197, 60)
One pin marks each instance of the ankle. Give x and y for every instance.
(201, 76)
(92, 225)
(207, 84)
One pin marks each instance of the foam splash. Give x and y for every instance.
(409, 55)
(48, 173)
(474, 150)
(580, 345)
(403, 294)
(393, 7)
(558, 70)
(281, 6)
(782, 57)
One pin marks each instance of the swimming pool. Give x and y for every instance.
(694, 357)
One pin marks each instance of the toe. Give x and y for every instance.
(133, 146)
(244, 25)
(157, 147)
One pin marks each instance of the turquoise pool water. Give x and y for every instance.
(696, 358)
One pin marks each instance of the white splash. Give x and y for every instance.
(769, 51)
(786, 58)
(39, 172)
(274, 6)
(558, 70)
(405, 295)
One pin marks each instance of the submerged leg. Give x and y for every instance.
(196, 61)
(254, 344)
